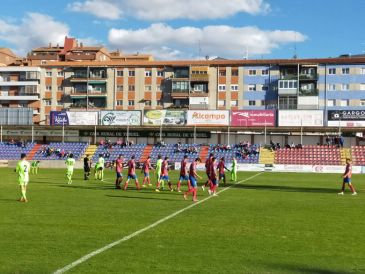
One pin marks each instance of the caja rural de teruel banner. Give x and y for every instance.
(73, 118)
(120, 118)
(253, 118)
(297, 118)
(166, 117)
(346, 118)
(208, 118)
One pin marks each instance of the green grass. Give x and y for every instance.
(274, 223)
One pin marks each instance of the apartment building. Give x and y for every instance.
(78, 77)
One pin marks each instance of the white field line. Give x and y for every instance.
(134, 234)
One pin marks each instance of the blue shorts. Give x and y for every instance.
(193, 181)
(166, 178)
(222, 175)
(184, 178)
(130, 176)
(119, 175)
(347, 180)
(214, 181)
(146, 174)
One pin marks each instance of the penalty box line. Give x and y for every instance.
(134, 234)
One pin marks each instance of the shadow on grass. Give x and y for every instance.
(86, 187)
(308, 269)
(285, 188)
(140, 198)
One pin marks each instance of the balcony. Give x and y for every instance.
(180, 93)
(90, 93)
(97, 78)
(5, 82)
(302, 77)
(308, 92)
(198, 106)
(49, 57)
(195, 93)
(81, 57)
(20, 97)
(287, 87)
(199, 77)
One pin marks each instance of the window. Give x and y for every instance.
(160, 73)
(60, 88)
(222, 73)
(332, 71)
(252, 72)
(288, 84)
(222, 87)
(235, 72)
(362, 70)
(252, 87)
(362, 86)
(49, 73)
(263, 102)
(344, 103)
(148, 73)
(160, 103)
(180, 86)
(158, 87)
(131, 88)
(120, 73)
(119, 102)
(264, 88)
(147, 103)
(47, 102)
(234, 103)
(345, 70)
(130, 102)
(131, 73)
(331, 86)
(119, 88)
(221, 103)
(48, 88)
(362, 102)
(331, 103)
(345, 87)
(234, 87)
(148, 88)
(265, 72)
(59, 103)
(252, 103)
(60, 73)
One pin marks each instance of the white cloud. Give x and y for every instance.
(226, 41)
(157, 10)
(34, 30)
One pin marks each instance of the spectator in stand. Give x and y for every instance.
(328, 140)
(341, 141)
(292, 145)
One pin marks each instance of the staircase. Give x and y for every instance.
(203, 155)
(146, 152)
(345, 153)
(267, 156)
(33, 151)
(90, 151)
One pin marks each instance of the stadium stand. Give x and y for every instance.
(13, 151)
(309, 155)
(59, 151)
(244, 155)
(112, 152)
(358, 155)
(175, 153)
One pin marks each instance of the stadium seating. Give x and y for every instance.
(309, 155)
(12, 151)
(236, 152)
(169, 150)
(77, 149)
(358, 155)
(116, 150)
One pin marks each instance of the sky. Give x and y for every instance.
(190, 29)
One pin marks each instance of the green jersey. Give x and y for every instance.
(234, 164)
(35, 164)
(101, 162)
(22, 168)
(158, 166)
(70, 162)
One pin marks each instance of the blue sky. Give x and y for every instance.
(171, 29)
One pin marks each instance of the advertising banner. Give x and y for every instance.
(253, 118)
(314, 169)
(165, 134)
(346, 118)
(73, 118)
(120, 118)
(297, 118)
(165, 117)
(208, 118)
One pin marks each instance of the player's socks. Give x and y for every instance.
(137, 185)
(178, 185)
(125, 186)
(24, 194)
(194, 194)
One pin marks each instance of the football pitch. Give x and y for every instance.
(267, 223)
